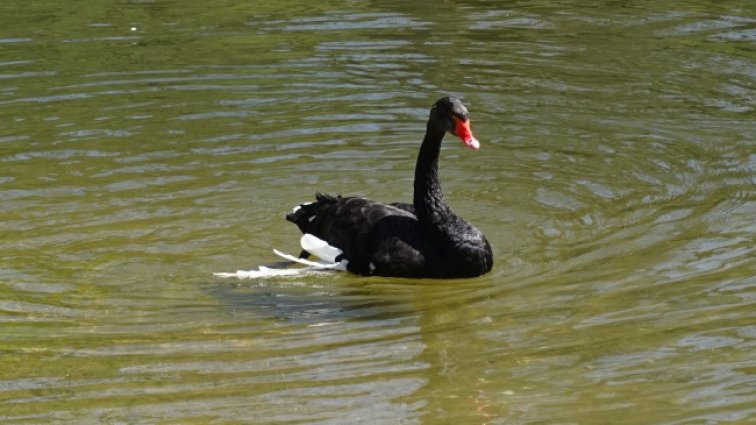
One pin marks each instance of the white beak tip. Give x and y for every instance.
(473, 144)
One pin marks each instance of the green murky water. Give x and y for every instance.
(146, 144)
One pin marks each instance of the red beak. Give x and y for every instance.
(463, 131)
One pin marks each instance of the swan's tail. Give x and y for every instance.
(330, 259)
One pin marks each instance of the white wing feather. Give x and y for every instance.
(311, 244)
(319, 248)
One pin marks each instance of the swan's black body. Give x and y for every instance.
(422, 239)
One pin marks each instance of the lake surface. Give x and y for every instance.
(145, 145)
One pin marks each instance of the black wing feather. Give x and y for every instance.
(370, 233)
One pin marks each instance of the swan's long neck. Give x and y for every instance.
(430, 206)
(466, 249)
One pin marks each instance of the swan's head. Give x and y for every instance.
(450, 114)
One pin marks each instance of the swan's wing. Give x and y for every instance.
(404, 206)
(319, 248)
(347, 224)
(340, 265)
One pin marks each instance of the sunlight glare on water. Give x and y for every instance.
(147, 144)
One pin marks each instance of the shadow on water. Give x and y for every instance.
(320, 298)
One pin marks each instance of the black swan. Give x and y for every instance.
(422, 239)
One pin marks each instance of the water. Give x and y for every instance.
(147, 144)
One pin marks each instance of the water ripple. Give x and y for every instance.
(140, 152)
